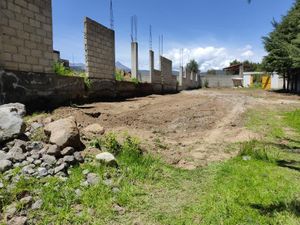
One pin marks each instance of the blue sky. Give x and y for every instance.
(213, 32)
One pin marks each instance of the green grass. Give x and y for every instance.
(264, 189)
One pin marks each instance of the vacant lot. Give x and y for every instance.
(241, 149)
(190, 129)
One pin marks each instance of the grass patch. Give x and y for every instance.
(293, 119)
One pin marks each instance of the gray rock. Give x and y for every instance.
(60, 161)
(10, 211)
(5, 165)
(29, 170)
(51, 172)
(118, 209)
(93, 130)
(116, 190)
(78, 157)
(78, 193)
(51, 160)
(53, 150)
(18, 220)
(67, 151)
(60, 168)
(35, 125)
(35, 155)
(92, 179)
(69, 159)
(11, 122)
(37, 162)
(108, 182)
(35, 145)
(20, 144)
(42, 172)
(16, 154)
(24, 163)
(30, 159)
(26, 200)
(4, 155)
(107, 158)
(37, 204)
(85, 172)
(64, 133)
(16, 165)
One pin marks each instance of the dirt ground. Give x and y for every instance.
(188, 129)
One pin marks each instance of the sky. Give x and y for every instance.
(213, 32)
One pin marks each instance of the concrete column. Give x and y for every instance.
(134, 60)
(241, 70)
(180, 76)
(151, 65)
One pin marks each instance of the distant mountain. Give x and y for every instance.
(120, 66)
(77, 66)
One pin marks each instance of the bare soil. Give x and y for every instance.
(188, 129)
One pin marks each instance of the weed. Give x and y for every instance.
(119, 76)
(293, 119)
(39, 135)
(60, 69)
(135, 81)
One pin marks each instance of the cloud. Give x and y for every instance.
(210, 57)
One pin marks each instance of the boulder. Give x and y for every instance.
(107, 158)
(16, 154)
(64, 133)
(93, 130)
(11, 121)
(18, 220)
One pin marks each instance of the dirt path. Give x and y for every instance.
(189, 129)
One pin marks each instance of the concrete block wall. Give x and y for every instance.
(99, 50)
(26, 39)
(166, 72)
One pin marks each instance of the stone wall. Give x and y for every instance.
(26, 35)
(99, 50)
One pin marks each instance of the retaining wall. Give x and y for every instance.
(26, 40)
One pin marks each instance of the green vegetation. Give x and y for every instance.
(119, 76)
(260, 186)
(135, 81)
(61, 70)
(283, 47)
(193, 66)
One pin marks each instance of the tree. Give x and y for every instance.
(193, 66)
(283, 47)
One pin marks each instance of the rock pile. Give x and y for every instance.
(36, 158)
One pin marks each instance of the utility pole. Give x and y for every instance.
(111, 15)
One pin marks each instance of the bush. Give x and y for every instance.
(60, 69)
(119, 76)
(135, 80)
(206, 84)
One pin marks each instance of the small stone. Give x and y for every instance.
(51, 172)
(69, 159)
(93, 179)
(60, 168)
(3, 156)
(37, 204)
(53, 150)
(26, 200)
(30, 159)
(85, 172)
(78, 193)
(108, 182)
(16, 153)
(107, 158)
(42, 172)
(246, 158)
(37, 162)
(19, 220)
(78, 157)
(20, 144)
(5, 165)
(84, 184)
(35, 155)
(51, 160)
(67, 151)
(118, 209)
(116, 190)
(34, 126)
(25, 163)
(93, 130)
(28, 169)
(10, 211)
(36, 145)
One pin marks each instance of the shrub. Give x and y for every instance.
(135, 80)
(206, 84)
(119, 76)
(60, 69)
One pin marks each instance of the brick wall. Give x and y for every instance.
(26, 35)
(99, 50)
